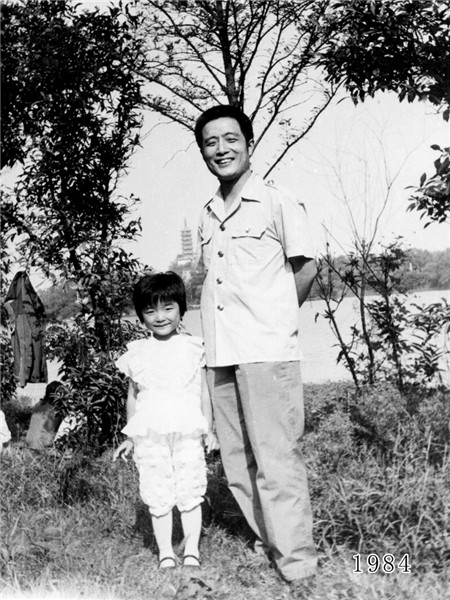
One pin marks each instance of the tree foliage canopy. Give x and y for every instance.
(400, 45)
(69, 69)
(71, 116)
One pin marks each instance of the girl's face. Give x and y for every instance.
(163, 319)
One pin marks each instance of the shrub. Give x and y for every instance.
(8, 380)
(95, 391)
(95, 397)
(17, 418)
(392, 341)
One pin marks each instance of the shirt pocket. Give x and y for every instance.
(249, 243)
(206, 244)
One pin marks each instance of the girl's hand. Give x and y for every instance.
(123, 450)
(211, 442)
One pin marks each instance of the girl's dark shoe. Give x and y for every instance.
(191, 562)
(168, 562)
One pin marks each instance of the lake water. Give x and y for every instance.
(318, 344)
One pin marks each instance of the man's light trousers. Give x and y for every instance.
(258, 409)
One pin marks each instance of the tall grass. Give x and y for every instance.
(379, 469)
(72, 525)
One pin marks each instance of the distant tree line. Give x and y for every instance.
(428, 270)
(423, 270)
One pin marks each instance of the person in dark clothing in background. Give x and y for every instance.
(44, 419)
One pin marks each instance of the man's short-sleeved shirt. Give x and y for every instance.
(249, 303)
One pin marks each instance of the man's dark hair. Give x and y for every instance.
(159, 287)
(218, 112)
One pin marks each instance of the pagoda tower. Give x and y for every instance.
(187, 247)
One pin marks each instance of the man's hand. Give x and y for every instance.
(211, 442)
(305, 271)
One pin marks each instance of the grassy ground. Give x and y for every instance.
(73, 527)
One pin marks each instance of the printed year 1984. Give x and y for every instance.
(386, 563)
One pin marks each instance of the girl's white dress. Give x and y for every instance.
(168, 423)
(5, 434)
(168, 375)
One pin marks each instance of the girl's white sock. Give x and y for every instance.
(192, 526)
(162, 528)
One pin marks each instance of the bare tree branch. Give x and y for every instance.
(258, 55)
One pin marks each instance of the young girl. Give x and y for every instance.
(169, 414)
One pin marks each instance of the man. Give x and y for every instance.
(260, 266)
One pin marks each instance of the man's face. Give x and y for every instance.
(225, 149)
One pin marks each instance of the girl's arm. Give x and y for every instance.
(125, 447)
(211, 441)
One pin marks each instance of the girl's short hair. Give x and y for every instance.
(159, 287)
(218, 112)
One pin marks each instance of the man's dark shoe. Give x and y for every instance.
(303, 589)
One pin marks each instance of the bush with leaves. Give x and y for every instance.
(405, 339)
(94, 390)
(8, 380)
(72, 104)
(401, 46)
(8, 386)
(395, 340)
(95, 401)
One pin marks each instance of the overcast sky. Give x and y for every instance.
(341, 172)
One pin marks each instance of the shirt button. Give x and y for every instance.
(222, 228)
(220, 307)
(220, 253)
(219, 280)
